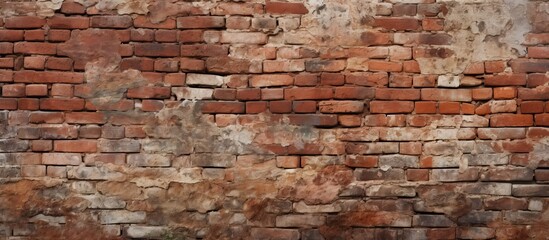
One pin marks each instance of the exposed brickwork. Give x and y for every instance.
(389, 119)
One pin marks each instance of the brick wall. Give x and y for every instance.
(253, 119)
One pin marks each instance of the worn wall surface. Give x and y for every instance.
(254, 119)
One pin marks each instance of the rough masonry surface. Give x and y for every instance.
(274, 119)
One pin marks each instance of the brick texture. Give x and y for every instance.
(274, 119)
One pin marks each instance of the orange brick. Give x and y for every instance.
(76, 146)
(425, 107)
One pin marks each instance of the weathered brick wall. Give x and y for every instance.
(252, 119)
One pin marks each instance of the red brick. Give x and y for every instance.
(280, 106)
(334, 79)
(474, 68)
(539, 93)
(272, 93)
(538, 52)
(532, 107)
(37, 62)
(57, 35)
(468, 108)
(24, 22)
(175, 79)
(76, 146)
(359, 161)
(46, 117)
(537, 79)
(224, 94)
(384, 66)
(285, 8)
(417, 174)
(432, 24)
(505, 80)
(424, 80)
(149, 92)
(271, 80)
(398, 24)
(152, 105)
(376, 38)
(28, 104)
(11, 35)
(191, 64)
(223, 107)
(248, 94)
(341, 106)
(6, 63)
(204, 50)
(404, 10)
(349, 120)
(325, 65)
(135, 132)
(542, 119)
(35, 48)
(111, 21)
(425, 107)
(397, 94)
(237, 8)
(530, 65)
(411, 67)
(62, 90)
(237, 22)
(165, 36)
(505, 93)
(142, 64)
(85, 117)
(8, 104)
(304, 106)
(391, 107)
(144, 22)
(482, 93)
(63, 64)
(166, 65)
(142, 35)
(422, 120)
(69, 22)
(156, 50)
(36, 90)
(200, 22)
(308, 93)
(448, 107)
(306, 79)
(191, 36)
(70, 7)
(62, 104)
(425, 39)
(13, 90)
(354, 93)
(511, 120)
(320, 120)
(89, 132)
(6, 48)
(41, 145)
(398, 80)
(59, 132)
(495, 66)
(256, 107)
(287, 161)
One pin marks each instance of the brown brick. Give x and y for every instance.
(69, 22)
(24, 22)
(285, 8)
